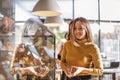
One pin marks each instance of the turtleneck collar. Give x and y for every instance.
(77, 43)
(81, 41)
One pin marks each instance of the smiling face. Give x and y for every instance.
(79, 31)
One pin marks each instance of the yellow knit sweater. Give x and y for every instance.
(82, 56)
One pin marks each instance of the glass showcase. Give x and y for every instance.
(38, 51)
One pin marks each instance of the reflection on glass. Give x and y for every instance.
(37, 50)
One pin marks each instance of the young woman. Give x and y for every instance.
(79, 54)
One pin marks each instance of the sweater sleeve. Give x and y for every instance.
(14, 69)
(97, 62)
(63, 58)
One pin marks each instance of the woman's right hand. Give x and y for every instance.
(78, 70)
(68, 72)
(30, 70)
(44, 72)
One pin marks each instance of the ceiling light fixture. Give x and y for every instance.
(46, 8)
(54, 21)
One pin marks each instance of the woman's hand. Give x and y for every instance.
(30, 70)
(79, 70)
(44, 72)
(68, 72)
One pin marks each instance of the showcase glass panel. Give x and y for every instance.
(40, 45)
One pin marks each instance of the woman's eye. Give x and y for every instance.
(81, 28)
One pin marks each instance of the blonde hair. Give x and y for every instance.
(69, 30)
(85, 23)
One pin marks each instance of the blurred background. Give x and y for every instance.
(103, 15)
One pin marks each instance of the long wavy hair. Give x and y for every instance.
(85, 23)
(68, 34)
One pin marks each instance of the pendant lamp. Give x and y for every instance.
(46, 8)
(54, 21)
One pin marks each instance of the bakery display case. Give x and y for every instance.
(38, 44)
(41, 42)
